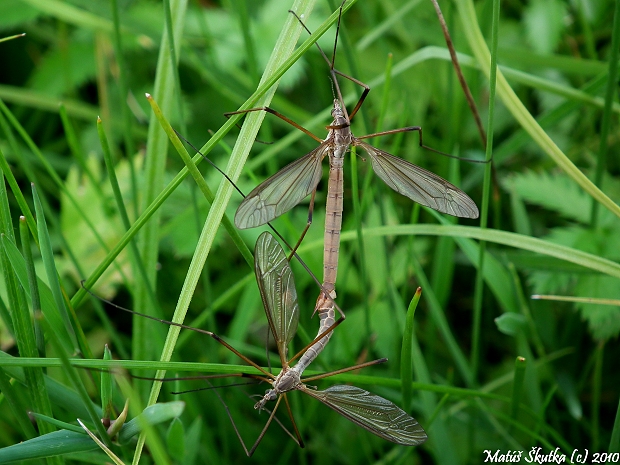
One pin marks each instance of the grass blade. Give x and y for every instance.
(406, 371)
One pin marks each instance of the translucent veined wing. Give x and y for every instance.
(277, 289)
(372, 412)
(420, 185)
(282, 191)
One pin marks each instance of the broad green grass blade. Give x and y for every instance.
(33, 284)
(50, 268)
(532, 244)
(21, 319)
(47, 305)
(200, 181)
(48, 446)
(120, 206)
(21, 201)
(107, 388)
(18, 408)
(145, 345)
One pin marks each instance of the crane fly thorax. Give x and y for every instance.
(287, 380)
(339, 135)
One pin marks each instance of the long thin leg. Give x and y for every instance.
(299, 440)
(187, 391)
(205, 377)
(395, 131)
(262, 433)
(419, 130)
(337, 34)
(362, 97)
(344, 370)
(272, 413)
(319, 337)
(279, 115)
(198, 330)
(334, 71)
(457, 67)
(233, 423)
(303, 233)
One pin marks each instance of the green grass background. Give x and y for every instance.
(481, 365)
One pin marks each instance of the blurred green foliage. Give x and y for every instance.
(555, 55)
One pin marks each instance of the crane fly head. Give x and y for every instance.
(337, 110)
(270, 395)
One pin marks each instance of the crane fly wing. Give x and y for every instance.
(372, 412)
(420, 185)
(277, 290)
(282, 191)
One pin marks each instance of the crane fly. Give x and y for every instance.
(277, 289)
(372, 412)
(289, 186)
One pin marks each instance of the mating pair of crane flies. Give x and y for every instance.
(277, 195)
(281, 192)
(279, 295)
(289, 186)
